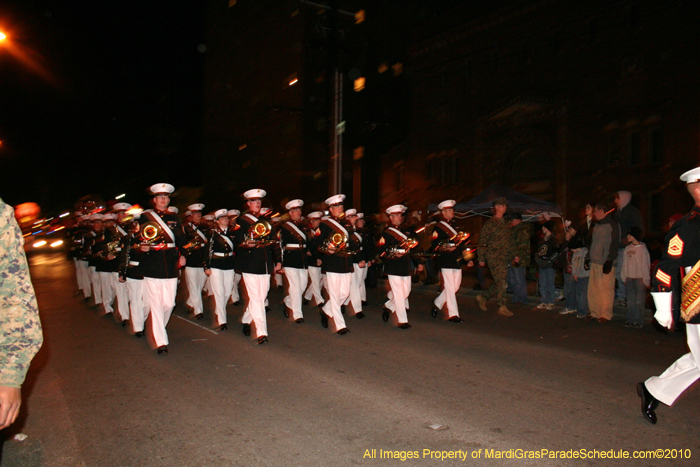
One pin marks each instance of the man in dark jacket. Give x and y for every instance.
(627, 216)
(520, 240)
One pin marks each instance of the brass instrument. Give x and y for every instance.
(148, 234)
(259, 234)
(457, 239)
(401, 249)
(196, 243)
(339, 242)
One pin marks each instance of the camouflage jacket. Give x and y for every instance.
(20, 328)
(494, 241)
(521, 244)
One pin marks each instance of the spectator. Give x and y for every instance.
(627, 216)
(547, 255)
(605, 243)
(569, 283)
(580, 273)
(635, 276)
(19, 317)
(520, 238)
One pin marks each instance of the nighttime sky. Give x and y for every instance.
(98, 97)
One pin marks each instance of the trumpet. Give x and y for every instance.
(401, 249)
(195, 244)
(457, 239)
(148, 234)
(259, 234)
(338, 242)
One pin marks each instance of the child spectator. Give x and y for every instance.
(547, 255)
(635, 276)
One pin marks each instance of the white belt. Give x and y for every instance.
(117, 249)
(295, 245)
(162, 245)
(223, 255)
(133, 263)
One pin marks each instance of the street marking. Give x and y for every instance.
(198, 325)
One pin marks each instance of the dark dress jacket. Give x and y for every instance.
(260, 260)
(294, 239)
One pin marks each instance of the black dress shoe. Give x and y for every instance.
(324, 319)
(262, 340)
(198, 316)
(299, 320)
(125, 323)
(139, 334)
(246, 329)
(223, 327)
(267, 309)
(404, 326)
(342, 309)
(385, 315)
(456, 319)
(649, 403)
(407, 310)
(364, 302)
(162, 349)
(285, 312)
(304, 301)
(359, 315)
(434, 312)
(343, 331)
(236, 303)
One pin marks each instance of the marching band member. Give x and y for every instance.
(448, 260)
(293, 241)
(314, 265)
(337, 262)
(394, 247)
(358, 264)
(108, 263)
(160, 263)
(121, 229)
(233, 225)
(219, 264)
(257, 260)
(93, 258)
(81, 233)
(677, 273)
(196, 252)
(368, 249)
(130, 275)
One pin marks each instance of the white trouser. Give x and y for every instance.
(363, 289)
(83, 277)
(96, 286)
(195, 281)
(235, 296)
(221, 283)
(314, 290)
(296, 283)
(354, 298)
(451, 278)
(160, 297)
(279, 280)
(257, 286)
(207, 287)
(682, 374)
(137, 303)
(108, 292)
(122, 296)
(338, 287)
(398, 302)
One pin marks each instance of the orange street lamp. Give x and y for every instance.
(2, 37)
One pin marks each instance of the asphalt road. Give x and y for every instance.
(98, 396)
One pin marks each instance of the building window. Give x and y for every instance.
(656, 214)
(634, 155)
(656, 146)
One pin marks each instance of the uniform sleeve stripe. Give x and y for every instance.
(663, 278)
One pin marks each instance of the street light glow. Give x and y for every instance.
(120, 196)
(2, 37)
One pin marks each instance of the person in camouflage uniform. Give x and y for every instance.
(495, 250)
(19, 316)
(520, 239)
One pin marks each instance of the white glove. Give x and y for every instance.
(663, 315)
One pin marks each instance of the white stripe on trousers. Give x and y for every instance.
(296, 283)
(122, 296)
(257, 286)
(451, 279)
(221, 283)
(160, 297)
(96, 286)
(338, 287)
(195, 278)
(398, 302)
(314, 290)
(137, 303)
(354, 298)
(682, 374)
